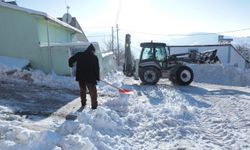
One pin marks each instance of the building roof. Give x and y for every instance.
(73, 23)
(213, 45)
(71, 44)
(12, 2)
(39, 13)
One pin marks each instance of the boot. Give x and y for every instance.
(83, 102)
(94, 104)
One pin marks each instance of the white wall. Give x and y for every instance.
(236, 59)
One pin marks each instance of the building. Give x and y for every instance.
(44, 40)
(226, 53)
(74, 23)
(223, 40)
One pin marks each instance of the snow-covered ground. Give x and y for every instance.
(212, 113)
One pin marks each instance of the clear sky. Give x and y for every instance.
(158, 18)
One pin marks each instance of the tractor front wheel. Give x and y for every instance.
(149, 75)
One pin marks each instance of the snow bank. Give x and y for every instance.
(53, 80)
(20, 138)
(13, 69)
(8, 63)
(92, 130)
(221, 74)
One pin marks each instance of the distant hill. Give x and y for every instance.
(204, 39)
(194, 39)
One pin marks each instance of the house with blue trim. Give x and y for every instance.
(45, 41)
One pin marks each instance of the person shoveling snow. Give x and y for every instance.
(87, 74)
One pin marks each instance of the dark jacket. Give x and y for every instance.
(87, 65)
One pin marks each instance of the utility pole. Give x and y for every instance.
(118, 51)
(128, 64)
(112, 40)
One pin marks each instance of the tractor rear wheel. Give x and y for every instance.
(184, 75)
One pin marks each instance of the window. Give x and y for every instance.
(148, 53)
(160, 53)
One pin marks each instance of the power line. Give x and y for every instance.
(132, 45)
(148, 33)
(65, 2)
(158, 34)
(104, 27)
(101, 35)
(244, 29)
(195, 34)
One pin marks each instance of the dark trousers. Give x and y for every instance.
(92, 91)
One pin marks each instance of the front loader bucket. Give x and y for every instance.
(209, 57)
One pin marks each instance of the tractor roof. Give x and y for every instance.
(152, 44)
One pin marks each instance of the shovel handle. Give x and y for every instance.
(110, 84)
(123, 91)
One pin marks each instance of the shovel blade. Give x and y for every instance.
(125, 91)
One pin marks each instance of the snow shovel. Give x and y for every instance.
(122, 91)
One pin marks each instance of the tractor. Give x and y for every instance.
(155, 63)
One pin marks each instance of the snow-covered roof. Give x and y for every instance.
(71, 44)
(39, 13)
(105, 54)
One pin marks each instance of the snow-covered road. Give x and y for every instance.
(200, 116)
(164, 116)
(226, 123)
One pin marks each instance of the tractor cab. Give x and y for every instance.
(155, 53)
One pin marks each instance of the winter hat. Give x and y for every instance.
(91, 48)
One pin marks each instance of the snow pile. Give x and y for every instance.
(20, 138)
(13, 63)
(99, 129)
(13, 68)
(53, 80)
(221, 74)
(40, 78)
(8, 63)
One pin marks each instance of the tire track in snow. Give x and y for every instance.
(226, 124)
(163, 116)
